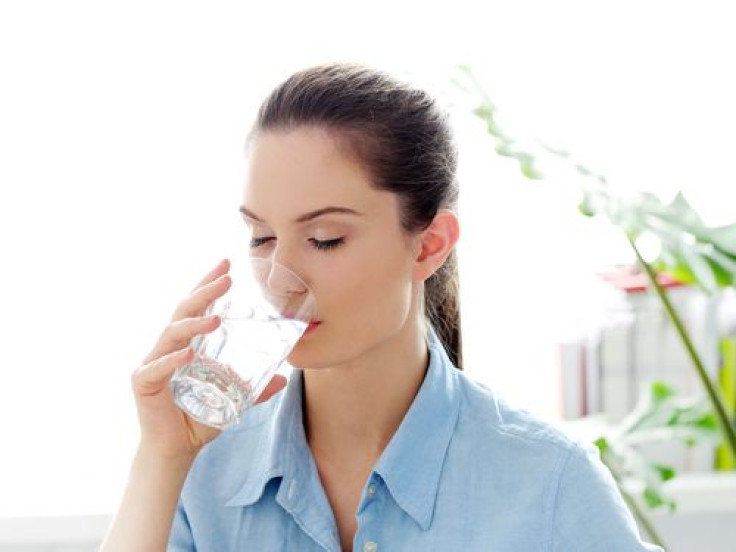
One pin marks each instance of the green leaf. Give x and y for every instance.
(665, 472)
(708, 422)
(724, 276)
(504, 148)
(493, 129)
(585, 208)
(526, 160)
(652, 497)
(483, 111)
(582, 170)
(674, 419)
(628, 215)
(661, 391)
(602, 444)
(594, 201)
(672, 263)
(684, 211)
(554, 151)
(724, 238)
(667, 264)
(649, 201)
(700, 268)
(457, 80)
(528, 170)
(675, 223)
(723, 258)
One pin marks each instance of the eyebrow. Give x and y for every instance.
(306, 216)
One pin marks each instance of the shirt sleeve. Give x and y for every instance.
(590, 514)
(180, 538)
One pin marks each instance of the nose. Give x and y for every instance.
(283, 287)
(278, 274)
(282, 280)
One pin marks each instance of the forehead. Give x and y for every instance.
(296, 171)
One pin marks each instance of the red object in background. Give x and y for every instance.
(630, 280)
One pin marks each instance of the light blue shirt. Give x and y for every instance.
(464, 472)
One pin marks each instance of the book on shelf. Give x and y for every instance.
(607, 373)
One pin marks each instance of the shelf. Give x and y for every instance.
(696, 493)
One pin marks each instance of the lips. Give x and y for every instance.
(312, 326)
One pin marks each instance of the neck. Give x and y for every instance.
(351, 411)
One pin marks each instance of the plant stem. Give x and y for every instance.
(631, 502)
(645, 523)
(727, 428)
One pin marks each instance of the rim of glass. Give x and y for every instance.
(241, 264)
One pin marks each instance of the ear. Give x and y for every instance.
(436, 243)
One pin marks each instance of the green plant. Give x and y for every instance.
(690, 252)
(661, 415)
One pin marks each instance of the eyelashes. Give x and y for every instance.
(326, 244)
(322, 245)
(257, 242)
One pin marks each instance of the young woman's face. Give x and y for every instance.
(311, 207)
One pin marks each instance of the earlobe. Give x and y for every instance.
(436, 244)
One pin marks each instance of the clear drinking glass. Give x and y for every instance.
(263, 316)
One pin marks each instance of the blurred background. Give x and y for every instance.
(122, 128)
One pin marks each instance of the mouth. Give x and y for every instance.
(313, 325)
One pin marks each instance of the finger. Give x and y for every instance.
(152, 377)
(199, 434)
(197, 303)
(221, 268)
(277, 383)
(177, 335)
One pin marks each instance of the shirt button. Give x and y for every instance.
(370, 546)
(371, 489)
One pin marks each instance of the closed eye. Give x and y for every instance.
(256, 242)
(322, 245)
(326, 244)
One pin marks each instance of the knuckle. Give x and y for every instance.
(176, 329)
(179, 310)
(136, 374)
(185, 305)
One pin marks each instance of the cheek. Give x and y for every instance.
(367, 289)
(362, 300)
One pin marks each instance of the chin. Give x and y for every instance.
(306, 356)
(314, 352)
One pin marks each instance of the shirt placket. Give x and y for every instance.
(310, 511)
(368, 537)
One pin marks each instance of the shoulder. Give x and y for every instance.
(487, 414)
(506, 447)
(538, 466)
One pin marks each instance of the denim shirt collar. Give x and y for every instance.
(411, 464)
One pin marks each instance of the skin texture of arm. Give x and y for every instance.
(143, 521)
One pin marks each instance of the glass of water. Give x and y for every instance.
(263, 316)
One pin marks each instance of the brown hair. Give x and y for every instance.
(402, 139)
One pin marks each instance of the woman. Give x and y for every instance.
(378, 442)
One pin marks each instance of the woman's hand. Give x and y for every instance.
(165, 428)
